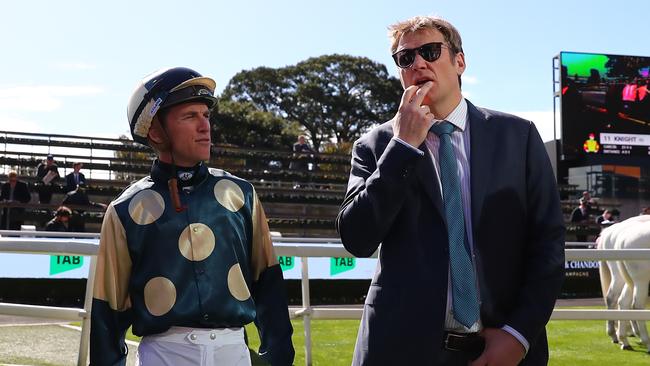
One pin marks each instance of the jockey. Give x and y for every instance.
(185, 253)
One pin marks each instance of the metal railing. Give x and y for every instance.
(58, 243)
(303, 248)
(312, 248)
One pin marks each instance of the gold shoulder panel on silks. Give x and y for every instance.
(263, 254)
(113, 264)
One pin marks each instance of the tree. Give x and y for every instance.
(241, 124)
(129, 158)
(331, 96)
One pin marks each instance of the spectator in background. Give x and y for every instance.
(606, 218)
(47, 174)
(75, 178)
(580, 217)
(13, 191)
(586, 197)
(60, 220)
(301, 151)
(79, 199)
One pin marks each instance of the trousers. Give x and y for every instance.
(181, 346)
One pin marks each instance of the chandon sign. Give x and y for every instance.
(581, 265)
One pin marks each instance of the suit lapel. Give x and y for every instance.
(482, 140)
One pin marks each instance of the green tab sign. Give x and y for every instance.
(286, 263)
(63, 263)
(339, 265)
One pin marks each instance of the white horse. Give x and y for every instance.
(625, 283)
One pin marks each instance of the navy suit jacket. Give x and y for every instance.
(70, 184)
(21, 192)
(393, 198)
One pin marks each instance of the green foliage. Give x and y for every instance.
(243, 125)
(342, 148)
(129, 158)
(331, 96)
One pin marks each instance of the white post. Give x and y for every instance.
(306, 317)
(85, 322)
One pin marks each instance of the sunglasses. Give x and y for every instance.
(429, 52)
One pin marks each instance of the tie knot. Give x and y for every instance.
(442, 128)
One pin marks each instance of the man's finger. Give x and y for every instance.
(408, 94)
(421, 93)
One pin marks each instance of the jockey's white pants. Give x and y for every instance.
(181, 346)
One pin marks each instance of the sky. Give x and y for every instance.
(69, 67)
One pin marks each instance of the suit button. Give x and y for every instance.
(213, 336)
(193, 337)
(205, 316)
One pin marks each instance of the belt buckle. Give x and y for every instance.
(450, 335)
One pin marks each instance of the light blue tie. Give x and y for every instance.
(463, 280)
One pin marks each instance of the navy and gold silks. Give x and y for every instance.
(210, 266)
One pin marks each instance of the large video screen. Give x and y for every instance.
(605, 105)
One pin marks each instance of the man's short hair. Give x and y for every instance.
(412, 25)
(63, 211)
(12, 174)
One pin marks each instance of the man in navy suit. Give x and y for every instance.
(513, 230)
(74, 179)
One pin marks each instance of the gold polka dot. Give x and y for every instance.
(146, 207)
(196, 242)
(159, 295)
(237, 284)
(229, 195)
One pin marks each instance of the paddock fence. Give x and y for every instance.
(86, 244)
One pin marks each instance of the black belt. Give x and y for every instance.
(470, 344)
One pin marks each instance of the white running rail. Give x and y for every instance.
(67, 243)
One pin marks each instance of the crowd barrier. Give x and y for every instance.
(86, 244)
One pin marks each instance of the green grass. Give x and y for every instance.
(585, 342)
(571, 343)
(578, 342)
(332, 341)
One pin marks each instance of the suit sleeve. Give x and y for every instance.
(374, 195)
(544, 254)
(111, 307)
(269, 294)
(68, 183)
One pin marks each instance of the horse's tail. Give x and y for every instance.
(605, 273)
